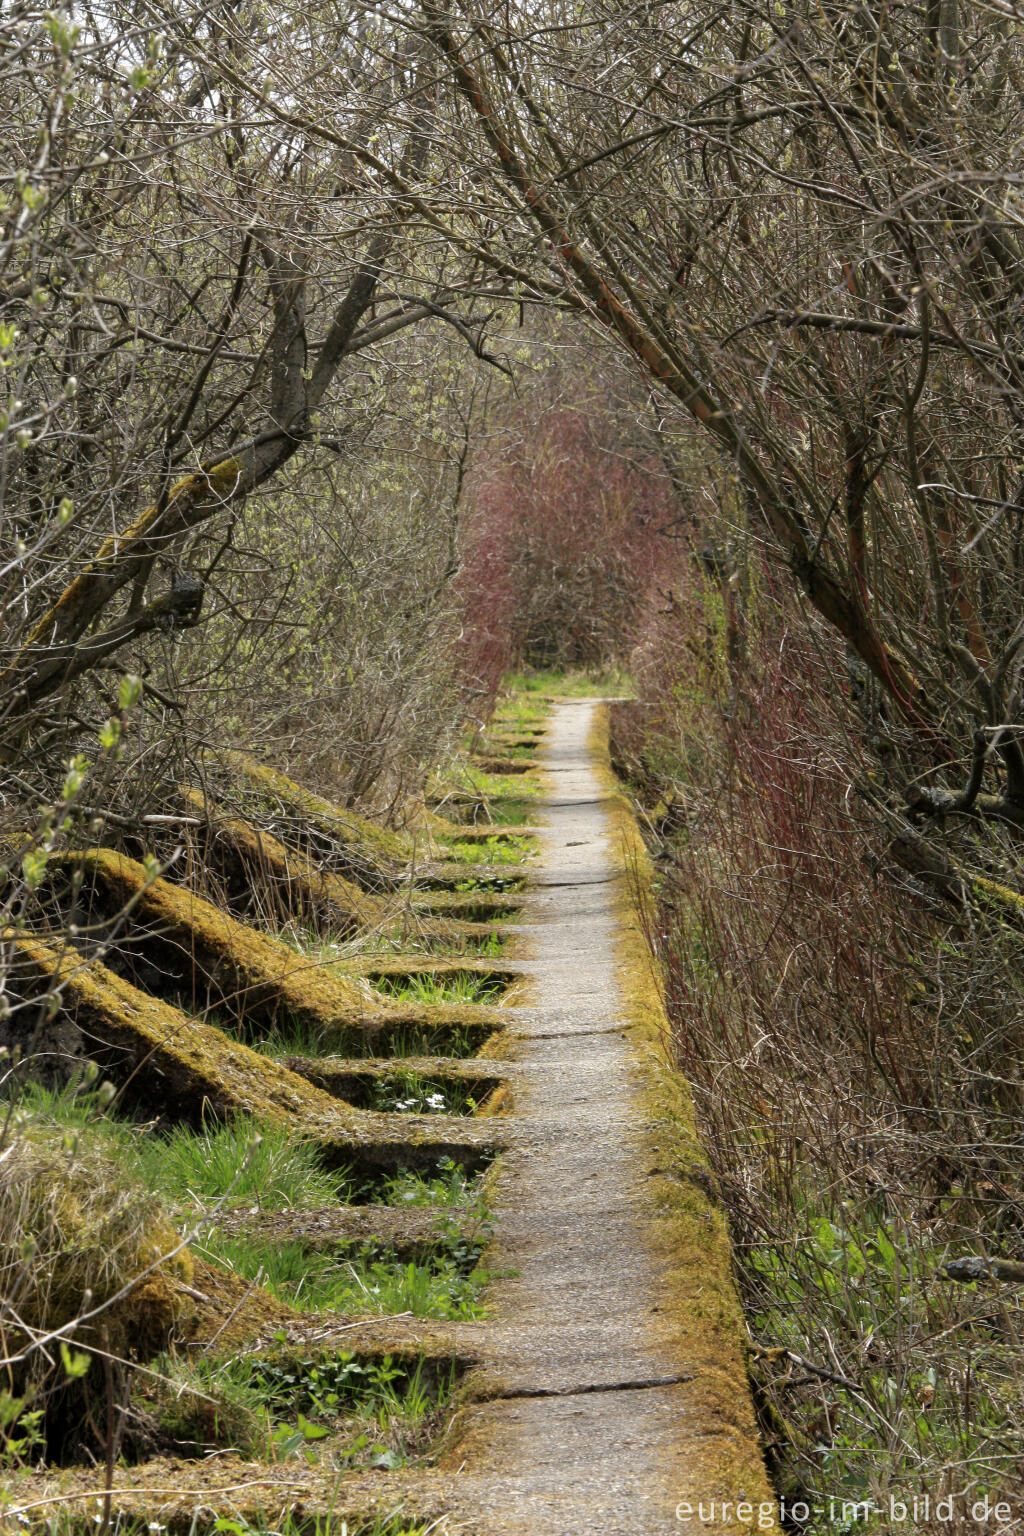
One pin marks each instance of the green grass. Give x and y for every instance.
(407, 1093)
(613, 682)
(471, 946)
(460, 987)
(242, 1162)
(468, 779)
(359, 1284)
(489, 947)
(445, 1040)
(508, 812)
(369, 1280)
(291, 1037)
(392, 1524)
(79, 1107)
(493, 850)
(500, 811)
(519, 711)
(501, 786)
(450, 1187)
(452, 943)
(407, 1040)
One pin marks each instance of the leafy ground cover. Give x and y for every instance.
(276, 1404)
(493, 850)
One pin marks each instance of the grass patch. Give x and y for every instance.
(459, 987)
(398, 1091)
(507, 811)
(480, 946)
(367, 1278)
(266, 1165)
(487, 947)
(493, 850)
(478, 810)
(613, 682)
(502, 786)
(458, 1040)
(455, 945)
(362, 1283)
(291, 1037)
(520, 711)
(468, 780)
(450, 1187)
(240, 1160)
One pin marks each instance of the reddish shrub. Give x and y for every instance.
(562, 545)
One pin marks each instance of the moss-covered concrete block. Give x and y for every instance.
(187, 1070)
(199, 955)
(256, 868)
(369, 854)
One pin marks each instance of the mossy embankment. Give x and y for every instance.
(688, 1228)
(187, 1006)
(343, 842)
(261, 878)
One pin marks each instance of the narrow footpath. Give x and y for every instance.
(620, 1393)
(604, 1393)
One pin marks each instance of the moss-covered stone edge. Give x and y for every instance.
(689, 1227)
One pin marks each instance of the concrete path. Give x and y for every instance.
(609, 1397)
(601, 1425)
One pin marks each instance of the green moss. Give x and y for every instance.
(248, 976)
(369, 854)
(254, 864)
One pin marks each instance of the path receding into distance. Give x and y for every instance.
(615, 1403)
(605, 1391)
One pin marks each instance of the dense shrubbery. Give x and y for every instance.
(855, 1040)
(563, 539)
